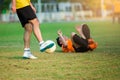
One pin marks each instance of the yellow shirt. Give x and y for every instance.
(22, 3)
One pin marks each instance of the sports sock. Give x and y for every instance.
(40, 43)
(26, 49)
(26, 52)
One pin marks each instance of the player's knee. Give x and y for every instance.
(72, 34)
(35, 22)
(28, 27)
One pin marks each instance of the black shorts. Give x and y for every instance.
(25, 14)
(83, 43)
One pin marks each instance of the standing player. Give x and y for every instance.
(26, 14)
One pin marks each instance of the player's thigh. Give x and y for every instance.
(34, 21)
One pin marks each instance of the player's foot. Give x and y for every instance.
(45, 46)
(86, 31)
(28, 55)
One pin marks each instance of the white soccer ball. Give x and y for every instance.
(52, 49)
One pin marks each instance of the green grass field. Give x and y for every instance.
(100, 64)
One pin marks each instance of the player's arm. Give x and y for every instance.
(13, 6)
(64, 43)
(78, 29)
(33, 7)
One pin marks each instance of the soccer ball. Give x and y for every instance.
(52, 49)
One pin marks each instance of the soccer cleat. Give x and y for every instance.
(46, 45)
(85, 31)
(28, 55)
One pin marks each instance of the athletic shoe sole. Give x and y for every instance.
(86, 31)
(29, 58)
(26, 58)
(48, 46)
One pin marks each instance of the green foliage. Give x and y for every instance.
(100, 64)
(4, 5)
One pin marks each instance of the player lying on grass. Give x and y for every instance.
(78, 43)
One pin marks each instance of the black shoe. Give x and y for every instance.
(86, 31)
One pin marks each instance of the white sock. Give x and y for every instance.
(26, 52)
(40, 43)
(26, 49)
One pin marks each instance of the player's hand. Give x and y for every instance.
(34, 9)
(13, 9)
(59, 32)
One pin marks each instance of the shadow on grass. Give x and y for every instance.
(12, 57)
(16, 57)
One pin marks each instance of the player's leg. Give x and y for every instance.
(84, 31)
(27, 15)
(27, 35)
(23, 17)
(36, 29)
(113, 18)
(38, 35)
(118, 17)
(119, 20)
(78, 41)
(79, 44)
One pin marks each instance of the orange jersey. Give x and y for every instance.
(69, 47)
(92, 44)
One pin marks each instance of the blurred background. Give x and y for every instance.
(63, 10)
